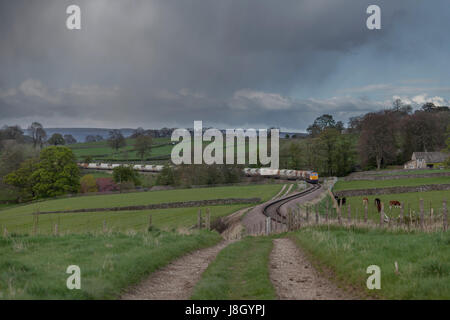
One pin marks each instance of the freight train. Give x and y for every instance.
(308, 176)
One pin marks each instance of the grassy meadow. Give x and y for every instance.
(423, 259)
(34, 267)
(240, 272)
(20, 219)
(102, 151)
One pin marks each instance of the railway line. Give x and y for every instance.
(272, 210)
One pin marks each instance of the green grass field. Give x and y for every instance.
(240, 272)
(423, 259)
(35, 267)
(368, 184)
(432, 199)
(101, 151)
(20, 219)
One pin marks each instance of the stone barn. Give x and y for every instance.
(426, 160)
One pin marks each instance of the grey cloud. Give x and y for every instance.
(167, 63)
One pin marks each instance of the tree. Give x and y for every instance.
(123, 174)
(143, 145)
(116, 140)
(70, 139)
(88, 184)
(38, 134)
(23, 180)
(377, 140)
(55, 173)
(56, 139)
(321, 123)
(12, 133)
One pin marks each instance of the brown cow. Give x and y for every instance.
(394, 203)
(365, 201)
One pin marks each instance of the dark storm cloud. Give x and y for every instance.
(157, 63)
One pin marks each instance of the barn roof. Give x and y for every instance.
(430, 157)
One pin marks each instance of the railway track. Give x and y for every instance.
(272, 210)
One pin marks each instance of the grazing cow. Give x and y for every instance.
(340, 201)
(365, 201)
(394, 203)
(378, 204)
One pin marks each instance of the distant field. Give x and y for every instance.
(367, 184)
(423, 259)
(100, 150)
(35, 267)
(20, 219)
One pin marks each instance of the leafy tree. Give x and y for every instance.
(377, 140)
(38, 134)
(123, 174)
(143, 145)
(12, 133)
(23, 180)
(321, 123)
(70, 139)
(116, 140)
(88, 184)
(55, 173)
(56, 139)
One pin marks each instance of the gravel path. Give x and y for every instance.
(294, 278)
(177, 280)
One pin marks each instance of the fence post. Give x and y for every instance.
(149, 222)
(5, 232)
(268, 220)
(402, 212)
(349, 214)
(317, 214)
(339, 211)
(421, 214)
(56, 229)
(307, 213)
(199, 219)
(382, 214)
(208, 219)
(444, 212)
(365, 213)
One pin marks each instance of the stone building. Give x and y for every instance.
(424, 160)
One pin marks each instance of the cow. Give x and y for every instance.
(394, 203)
(365, 201)
(340, 201)
(378, 204)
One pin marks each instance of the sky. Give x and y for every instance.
(229, 63)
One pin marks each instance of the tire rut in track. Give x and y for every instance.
(176, 281)
(294, 278)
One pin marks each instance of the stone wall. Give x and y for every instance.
(166, 205)
(392, 190)
(395, 177)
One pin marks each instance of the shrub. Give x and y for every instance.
(106, 185)
(88, 184)
(124, 174)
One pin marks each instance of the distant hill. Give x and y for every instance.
(81, 133)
